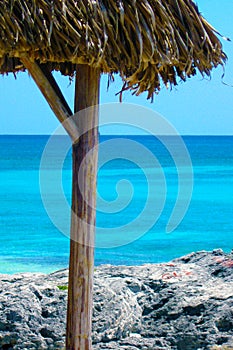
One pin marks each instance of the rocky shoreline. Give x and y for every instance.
(186, 304)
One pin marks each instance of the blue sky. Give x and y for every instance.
(198, 106)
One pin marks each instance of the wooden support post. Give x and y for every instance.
(52, 93)
(80, 294)
(81, 269)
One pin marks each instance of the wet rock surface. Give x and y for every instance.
(184, 304)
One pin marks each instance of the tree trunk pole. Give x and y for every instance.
(81, 268)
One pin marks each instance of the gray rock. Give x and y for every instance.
(185, 304)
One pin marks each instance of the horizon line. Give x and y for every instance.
(123, 134)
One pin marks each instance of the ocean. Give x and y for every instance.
(30, 242)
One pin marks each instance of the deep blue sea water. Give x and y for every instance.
(30, 242)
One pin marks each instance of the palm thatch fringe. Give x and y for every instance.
(146, 41)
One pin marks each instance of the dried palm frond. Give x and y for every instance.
(146, 41)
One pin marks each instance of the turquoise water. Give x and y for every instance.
(30, 242)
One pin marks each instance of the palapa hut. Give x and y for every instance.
(149, 42)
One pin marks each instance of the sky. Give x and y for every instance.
(196, 107)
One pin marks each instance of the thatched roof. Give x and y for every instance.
(145, 40)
